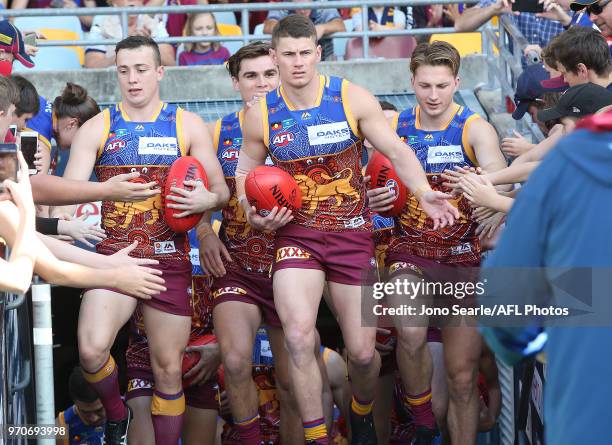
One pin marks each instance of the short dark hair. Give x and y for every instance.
(580, 44)
(435, 53)
(79, 389)
(295, 26)
(28, 97)
(9, 93)
(251, 51)
(74, 102)
(387, 105)
(134, 42)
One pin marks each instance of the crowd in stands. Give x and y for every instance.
(570, 80)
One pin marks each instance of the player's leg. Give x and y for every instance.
(102, 314)
(297, 294)
(236, 324)
(200, 426)
(363, 359)
(382, 407)
(439, 390)
(141, 428)
(168, 335)
(462, 346)
(291, 430)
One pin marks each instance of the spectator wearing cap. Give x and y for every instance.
(599, 11)
(327, 21)
(12, 48)
(537, 29)
(577, 102)
(581, 55)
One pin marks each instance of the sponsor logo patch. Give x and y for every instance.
(445, 154)
(461, 248)
(290, 253)
(194, 256)
(134, 384)
(276, 126)
(400, 265)
(139, 127)
(358, 221)
(282, 139)
(167, 146)
(115, 145)
(328, 133)
(162, 247)
(229, 290)
(288, 123)
(230, 154)
(306, 116)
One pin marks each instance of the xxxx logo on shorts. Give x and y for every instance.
(134, 384)
(229, 290)
(289, 253)
(400, 265)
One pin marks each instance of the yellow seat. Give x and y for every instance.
(465, 42)
(64, 34)
(229, 30)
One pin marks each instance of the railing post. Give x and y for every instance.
(4, 375)
(124, 25)
(365, 39)
(244, 23)
(43, 356)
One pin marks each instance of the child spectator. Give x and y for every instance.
(203, 53)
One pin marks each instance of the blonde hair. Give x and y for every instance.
(188, 30)
(436, 53)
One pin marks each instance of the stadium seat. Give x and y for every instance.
(64, 34)
(465, 42)
(392, 47)
(230, 30)
(340, 42)
(52, 58)
(226, 17)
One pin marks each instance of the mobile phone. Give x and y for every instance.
(29, 147)
(13, 130)
(8, 163)
(528, 6)
(30, 39)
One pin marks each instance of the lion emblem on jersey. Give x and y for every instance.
(338, 188)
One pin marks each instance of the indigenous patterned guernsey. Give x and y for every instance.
(148, 148)
(252, 250)
(321, 148)
(437, 151)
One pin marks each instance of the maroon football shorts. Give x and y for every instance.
(239, 284)
(345, 257)
(141, 384)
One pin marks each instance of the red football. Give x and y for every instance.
(185, 168)
(383, 175)
(268, 187)
(190, 359)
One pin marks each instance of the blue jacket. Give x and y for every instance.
(563, 218)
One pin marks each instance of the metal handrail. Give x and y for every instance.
(244, 9)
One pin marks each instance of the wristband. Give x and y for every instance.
(47, 226)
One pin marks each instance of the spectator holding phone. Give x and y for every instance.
(537, 28)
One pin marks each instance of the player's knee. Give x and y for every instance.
(237, 364)
(300, 343)
(167, 370)
(411, 341)
(92, 352)
(362, 357)
(461, 384)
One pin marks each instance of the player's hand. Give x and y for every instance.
(274, 221)
(138, 281)
(206, 368)
(516, 146)
(381, 199)
(478, 190)
(380, 347)
(193, 201)
(453, 177)
(479, 214)
(79, 230)
(120, 188)
(212, 252)
(437, 207)
(122, 258)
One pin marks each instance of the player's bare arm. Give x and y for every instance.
(374, 127)
(252, 154)
(199, 142)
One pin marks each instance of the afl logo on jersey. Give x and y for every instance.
(282, 139)
(114, 145)
(230, 154)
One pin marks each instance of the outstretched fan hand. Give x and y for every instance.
(437, 207)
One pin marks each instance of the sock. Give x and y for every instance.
(105, 381)
(420, 406)
(316, 430)
(248, 430)
(168, 411)
(360, 407)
